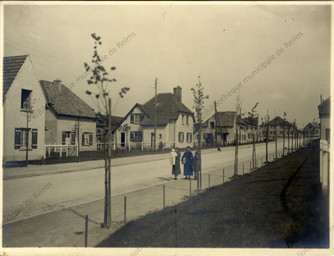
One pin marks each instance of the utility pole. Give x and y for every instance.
(236, 168)
(284, 128)
(155, 114)
(267, 135)
(216, 123)
(276, 140)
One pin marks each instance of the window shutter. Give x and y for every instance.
(140, 136)
(63, 138)
(91, 139)
(83, 139)
(131, 118)
(131, 136)
(34, 138)
(73, 138)
(18, 135)
(179, 137)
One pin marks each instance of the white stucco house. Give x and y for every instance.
(69, 121)
(174, 123)
(23, 115)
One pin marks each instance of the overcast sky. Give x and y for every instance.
(176, 43)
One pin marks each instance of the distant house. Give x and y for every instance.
(223, 124)
(23, 118)
(68, 119)
(102, 125)
(324, 114)
(174, 123)
(222, 127)
(278, 127)
(311, 131)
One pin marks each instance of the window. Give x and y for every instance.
(187, 120)
(189, 137)
(20, 138)
(135, 118)
(25, 99)
(136, 136)
(212, 124)
(328, 135)
(66, 137)
(87, 139)
(181, 137)
(160, 136)
(182, 119)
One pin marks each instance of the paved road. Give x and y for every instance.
(35, 195)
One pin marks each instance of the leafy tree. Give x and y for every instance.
(102, 100)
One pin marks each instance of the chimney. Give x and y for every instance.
(178, 93)
(57, 83)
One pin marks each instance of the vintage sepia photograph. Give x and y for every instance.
(166, 128)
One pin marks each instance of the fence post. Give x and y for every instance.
(61, 151)
(125, 209)
(243, 168)
(223, 174)
(190, 187)
(49, 150)
(164, 196)
(142, 145)
(86, 230)
(209, 180)
(250, 166)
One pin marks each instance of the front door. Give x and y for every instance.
(123, 139)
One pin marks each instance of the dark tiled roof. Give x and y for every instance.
(325, 107)
(168, 108)
(224, 119)
(278, 121)
(65, 102)
(11, 67)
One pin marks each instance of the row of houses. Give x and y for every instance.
(44, 116)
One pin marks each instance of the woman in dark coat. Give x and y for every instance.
(187, 160)
(196, 164)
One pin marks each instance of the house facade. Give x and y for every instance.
(324, 115)
(23, 118)
(311, 131)
(221, 127)
(69, 121)
(174, 124)
(280, 128)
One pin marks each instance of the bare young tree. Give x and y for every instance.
(102, 100)
(238, 107)
(199, 98)
(251, 116)
(284, 123)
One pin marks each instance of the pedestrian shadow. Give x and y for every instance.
(165, 179)
(83, 216)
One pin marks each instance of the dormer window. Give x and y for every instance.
(25, 99)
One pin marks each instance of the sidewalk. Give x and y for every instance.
(66, 227)
(38, 170)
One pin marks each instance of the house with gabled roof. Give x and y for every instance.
(222, 124)
(23, 119)
(68, 119)
(311, 131)
(174, 123)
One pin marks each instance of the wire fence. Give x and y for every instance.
(134, 205)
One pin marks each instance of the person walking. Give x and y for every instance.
(175, 162)
(196, 165)
(187, 160)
